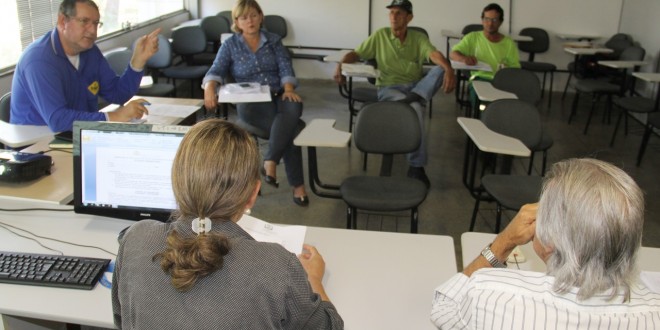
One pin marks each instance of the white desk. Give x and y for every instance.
(337, 56)
(377, 280)
(487, 93)
(622, 64)
(15, 136)
(472, 244)
(587, 51)
(568, 36)
(321, 133)
(489, 141)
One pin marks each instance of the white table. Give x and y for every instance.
(579, 37)
(377, 280)
(472, 244)
(321, 133)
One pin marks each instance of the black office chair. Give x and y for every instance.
(119, 60)
(520, 120)
(275, 24)
(527, 87)
(386, 128)
(617, 43)
(540, 44)
(213, 27)
(187, 41)
(5, 102)
(607, 87)
(226, 14)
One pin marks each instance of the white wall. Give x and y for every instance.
(640, 19)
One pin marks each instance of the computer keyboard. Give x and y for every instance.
(51, 270)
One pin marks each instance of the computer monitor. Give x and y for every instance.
(123, 170)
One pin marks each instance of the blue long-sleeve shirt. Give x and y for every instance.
(48, 90)
(269, 65)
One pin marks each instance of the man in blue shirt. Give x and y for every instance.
(61, 75)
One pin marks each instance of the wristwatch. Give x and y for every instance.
(492, 260)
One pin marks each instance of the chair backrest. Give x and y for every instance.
(539, 44)
(633, 53)
(5, 102)
(275, 24)
(226, 14)
(387, 128)
(119, 59)
(420, 29)
(525, 84)
(214, 26)
(618, 43)
(471, 28)
(514, 118)
(163, 57)
(188, 40)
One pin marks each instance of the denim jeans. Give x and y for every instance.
(426, 88)
(281, 119)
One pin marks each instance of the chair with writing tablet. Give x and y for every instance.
(540, 44)
(608, 87)
(517, 119)
(388, 129)
(525, 84)
(462, 76)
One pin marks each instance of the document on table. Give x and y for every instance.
(480, 66)
(164, 114)
(227, 94)
(290, 237)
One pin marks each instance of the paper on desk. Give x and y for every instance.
(226, 96)
(290, 237)
(359, 70)
(161, 113)
(480, 66)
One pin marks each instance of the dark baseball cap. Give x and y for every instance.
(404, 4)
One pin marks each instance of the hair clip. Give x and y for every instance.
(200, 226)
(247, 212)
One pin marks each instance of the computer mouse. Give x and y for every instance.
(120, 236)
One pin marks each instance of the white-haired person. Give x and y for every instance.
(587, 228)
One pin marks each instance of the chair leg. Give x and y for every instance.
(552, 79)
(574, 107)
(594, 100)
(616, 127)
(430, 108)
(563, 95)
(364, 161)
(354, 213)
(475, 211)
(545, 160)
(349, 217)
(498, 220)
(645, 141)
(413, 220)
(543, 85)
(531, 163)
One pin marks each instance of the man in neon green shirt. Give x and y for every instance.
(400, 54)
(488, 46)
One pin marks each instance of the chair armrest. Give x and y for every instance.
(321, 133)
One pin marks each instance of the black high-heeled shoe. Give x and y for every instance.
(269, 179)
(301, 201)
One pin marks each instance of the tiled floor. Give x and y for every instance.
(447, 209)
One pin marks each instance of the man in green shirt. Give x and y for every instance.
(488, 46)
(400, 54)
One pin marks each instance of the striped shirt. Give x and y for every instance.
(513, 299)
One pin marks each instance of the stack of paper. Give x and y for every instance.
(359, 70)
(290, 237)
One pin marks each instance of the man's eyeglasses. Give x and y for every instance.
(86, 22)
(490, 19)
